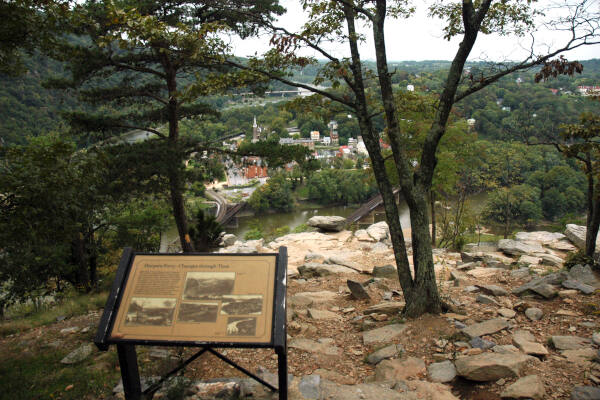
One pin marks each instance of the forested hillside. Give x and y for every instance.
(499, 110)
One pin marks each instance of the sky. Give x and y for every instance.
(421, 38)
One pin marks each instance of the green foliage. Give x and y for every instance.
(206, 232)
(140, 224)
(254, 233)
(55, 202)
(276, 194)
(515, 205)
(578, 258)
(302, 228)
(338, 186)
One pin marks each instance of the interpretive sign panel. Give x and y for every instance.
(202, 300)
(198, 298)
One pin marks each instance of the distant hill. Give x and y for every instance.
(28, 109)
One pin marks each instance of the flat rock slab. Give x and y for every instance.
(507, 312)
(393, 370)
(312, 346)
(529, 260)
(482, 272)
(441, 372)
(576, 285)
(311, 270)
(580, 356)
(334, 391)
(486, 327)
(528, 387)
(526, 342)
(493, 290)
(585, 393)
(552, 279)
(305, 299)
(323, 315)
(387, 307)
(570, 342)
(336, 259)
(384, 334)
(387, 352)
(79, 354)
(518, 248)
(542, 237)
(486, 367)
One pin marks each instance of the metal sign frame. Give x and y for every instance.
(126, 347)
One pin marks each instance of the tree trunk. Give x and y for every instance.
(175, 184)
(371, 139)
(424, 298)
(593, 214)
(432, 201)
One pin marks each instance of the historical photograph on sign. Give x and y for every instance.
(208, 285)
(242, 304)
(197, 312)
(150, 311)
(241, 326)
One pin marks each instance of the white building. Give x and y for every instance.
(315, 135)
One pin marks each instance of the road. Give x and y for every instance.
(221, 204)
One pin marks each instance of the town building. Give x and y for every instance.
(352, 142)
(315, 135)
(589, 90)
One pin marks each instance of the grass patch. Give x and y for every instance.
(40, 375)
(21, 318)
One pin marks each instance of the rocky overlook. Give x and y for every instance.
(522, 326)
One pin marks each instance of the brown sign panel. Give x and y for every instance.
(198, 298)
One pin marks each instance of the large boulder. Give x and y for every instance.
(486, 367)
(576, 234)
(379, 231)
(327, 223)
(585, 275)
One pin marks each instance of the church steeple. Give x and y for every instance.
(255, 131)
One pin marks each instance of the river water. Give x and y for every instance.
(268, 223)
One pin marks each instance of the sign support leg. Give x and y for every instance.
(282, 372)
(129, 371)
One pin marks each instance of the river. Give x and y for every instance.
(272, 221)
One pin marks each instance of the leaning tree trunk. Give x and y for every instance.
(174, 176)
